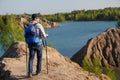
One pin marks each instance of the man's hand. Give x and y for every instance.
(46, 35)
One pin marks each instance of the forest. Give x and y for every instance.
(107, 14)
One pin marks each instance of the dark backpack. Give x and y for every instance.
(31, 34)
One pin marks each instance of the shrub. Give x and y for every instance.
(118, 23)
(95, 67)
(10, 31)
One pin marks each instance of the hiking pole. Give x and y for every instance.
(26, 61)
(46, 56)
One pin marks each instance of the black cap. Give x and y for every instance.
(35, 16)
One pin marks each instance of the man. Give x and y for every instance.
(37, 47)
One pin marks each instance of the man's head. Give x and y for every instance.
(35, 17)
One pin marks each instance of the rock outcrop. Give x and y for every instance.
(13, 66)
(105, 47)
(45, 23)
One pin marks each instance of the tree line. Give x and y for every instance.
(107, 14)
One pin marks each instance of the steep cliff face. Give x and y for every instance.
(13, 66)
(105, 47)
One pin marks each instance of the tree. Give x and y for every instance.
(10, 32)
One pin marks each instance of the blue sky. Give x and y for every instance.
(53, 6)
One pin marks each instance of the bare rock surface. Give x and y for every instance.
(13, 66)
(45, 23)
(105, 47)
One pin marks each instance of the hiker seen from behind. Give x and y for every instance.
(34, 32)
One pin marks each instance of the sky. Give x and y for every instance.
(53, 6)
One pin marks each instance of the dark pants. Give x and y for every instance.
(32, 49)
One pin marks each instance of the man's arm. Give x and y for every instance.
(42, 30)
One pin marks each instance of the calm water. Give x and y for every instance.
(72, 36)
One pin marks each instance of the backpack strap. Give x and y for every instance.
(35, 24)
(38, 31)
(40, 35)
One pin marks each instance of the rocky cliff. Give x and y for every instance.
(105, 47)
(44, 22)
(13, 66)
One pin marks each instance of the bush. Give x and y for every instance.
(92, 67)
(10, 31)
(118, 23)
(95, 67)
(110, 72)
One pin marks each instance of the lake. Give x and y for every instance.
(72, 36)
